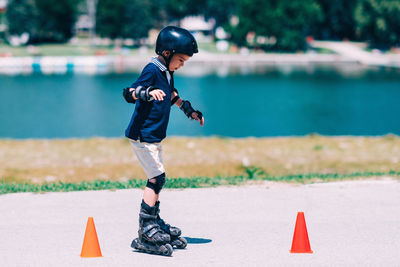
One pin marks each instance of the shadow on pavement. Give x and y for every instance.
(192, 240)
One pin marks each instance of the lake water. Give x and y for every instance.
(265, 101)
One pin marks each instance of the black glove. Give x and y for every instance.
(187, 108)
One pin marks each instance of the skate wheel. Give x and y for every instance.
(183, 243)
(168, 250)
(179, 243)
(135, 244)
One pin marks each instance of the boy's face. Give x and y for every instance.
(177, 61)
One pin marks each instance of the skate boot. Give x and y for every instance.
(176, 240)
(151, 238)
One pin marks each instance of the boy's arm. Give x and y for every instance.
(144, 94)
(142, 89)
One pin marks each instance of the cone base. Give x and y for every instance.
(91, 256)
(309, 251)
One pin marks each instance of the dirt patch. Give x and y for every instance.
(73, 160)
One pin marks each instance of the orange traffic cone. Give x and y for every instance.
(300, 243)
(90, 247)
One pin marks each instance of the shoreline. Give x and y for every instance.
(121, 64)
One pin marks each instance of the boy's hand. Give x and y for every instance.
(191, 113)
(148, 94)
(157, 94)
(198, 118)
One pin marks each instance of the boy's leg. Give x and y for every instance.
(150, 157)
(151, 238)
(149, 196)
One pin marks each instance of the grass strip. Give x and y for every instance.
(192, 182)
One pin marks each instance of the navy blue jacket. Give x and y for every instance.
(150, 119)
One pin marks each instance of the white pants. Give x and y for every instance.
(149, 156)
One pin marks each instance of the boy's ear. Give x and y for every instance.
(166, 53)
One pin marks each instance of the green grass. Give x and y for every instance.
(251, 174)
(87, 50)
(321, 50)
(78, 50)
(61, 50)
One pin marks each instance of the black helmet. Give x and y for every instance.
(176, 40)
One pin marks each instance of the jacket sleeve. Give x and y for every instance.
(146, 78)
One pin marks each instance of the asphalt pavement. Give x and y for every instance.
(350, 223)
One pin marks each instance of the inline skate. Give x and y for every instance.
(152, 239)
(176, 240)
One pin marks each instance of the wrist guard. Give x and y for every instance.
(143, 94)
(173, 101)
(187, 108)
(128, 95)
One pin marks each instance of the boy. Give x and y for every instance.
(154, 94)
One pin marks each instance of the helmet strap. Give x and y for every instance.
(168, 58)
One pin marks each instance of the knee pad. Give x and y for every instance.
(159, 183)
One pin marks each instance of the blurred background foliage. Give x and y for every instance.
(278, 25)
(378, 22)
(43, 20)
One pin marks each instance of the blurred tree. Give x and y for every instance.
(21, 16)
(55, 20)
(124, 18)
(220, 10)
(286, 21)
(378, 21)
(44, 20)
(158, 13)
(138, 19)
(110, 18)
(178, 9)
(167, 11)
(338, 22)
